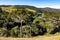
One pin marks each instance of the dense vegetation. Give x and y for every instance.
(26, 22)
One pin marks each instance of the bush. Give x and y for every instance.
(3, 32)
(14, 32)
(33, 30)
(26, 31)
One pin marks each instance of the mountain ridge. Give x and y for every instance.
(46, 9)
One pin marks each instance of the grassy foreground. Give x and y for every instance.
(52, 37)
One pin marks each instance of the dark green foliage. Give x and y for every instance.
(38, 30)
(3, 32)
(14, 32)
(26, 31)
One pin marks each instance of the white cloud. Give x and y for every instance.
(57, 7)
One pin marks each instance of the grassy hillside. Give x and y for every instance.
(28, 21)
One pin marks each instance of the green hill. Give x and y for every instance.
(28, 21)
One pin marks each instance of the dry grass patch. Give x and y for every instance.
(53, 37)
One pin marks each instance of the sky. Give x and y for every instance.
(36, 3)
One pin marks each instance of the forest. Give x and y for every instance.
(28, 21)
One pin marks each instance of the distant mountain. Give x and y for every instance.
(47, 9)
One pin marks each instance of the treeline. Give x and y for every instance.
(25, 22)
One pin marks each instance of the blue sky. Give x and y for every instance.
(37, 3)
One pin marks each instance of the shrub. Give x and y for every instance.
(14, 32)
(26, 31)
(3, 32)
